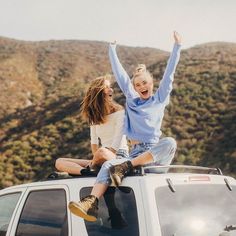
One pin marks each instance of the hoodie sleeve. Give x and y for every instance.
(165, 86)
(121, 75)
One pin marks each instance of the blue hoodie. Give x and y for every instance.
(144, 117)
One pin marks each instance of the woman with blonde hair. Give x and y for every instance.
(106, 119)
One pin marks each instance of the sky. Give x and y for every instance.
(142, 23)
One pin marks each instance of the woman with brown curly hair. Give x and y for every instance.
(106, 119)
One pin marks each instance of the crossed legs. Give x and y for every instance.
(161, 153)
(74, 166)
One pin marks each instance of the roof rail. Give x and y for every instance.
(180, 169)
(142, 170)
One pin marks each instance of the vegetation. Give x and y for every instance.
(42, 85)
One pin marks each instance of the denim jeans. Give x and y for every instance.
(163, 153)
(122, 153)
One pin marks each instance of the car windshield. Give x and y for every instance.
(197, 210)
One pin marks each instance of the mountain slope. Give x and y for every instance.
(43, 84)
(34, 71)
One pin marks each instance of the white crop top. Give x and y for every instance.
(111, 132)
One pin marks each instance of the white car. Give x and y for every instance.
(198, 201)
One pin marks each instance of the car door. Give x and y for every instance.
(43, 212)
(120, 210)
(9, 202)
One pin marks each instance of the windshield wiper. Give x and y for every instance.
(230, 228)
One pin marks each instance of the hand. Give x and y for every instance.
(113, 43)
(177, 38)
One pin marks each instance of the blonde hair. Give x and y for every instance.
(95, 107)
(141, 70)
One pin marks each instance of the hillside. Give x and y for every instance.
(203, 110)
(31, 72)
(42, 84)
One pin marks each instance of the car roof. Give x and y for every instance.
(176, 172)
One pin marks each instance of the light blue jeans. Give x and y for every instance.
(163, 153)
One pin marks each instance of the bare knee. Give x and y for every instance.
(60, 163)
(103, 154)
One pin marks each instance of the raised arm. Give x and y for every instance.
(165, 86)
(121, 75)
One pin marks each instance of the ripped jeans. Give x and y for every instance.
(163, 153)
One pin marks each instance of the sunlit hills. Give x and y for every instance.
(42, 84)
(31, 72)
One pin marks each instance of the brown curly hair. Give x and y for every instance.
(95, 107)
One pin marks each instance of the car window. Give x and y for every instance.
(117, 213)
(197, 210)
(44, 214)
(7, 206)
